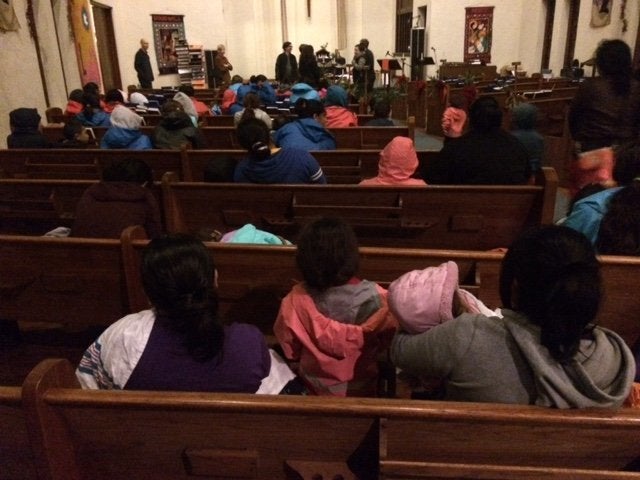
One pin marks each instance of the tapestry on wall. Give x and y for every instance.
(8, 19)
(478, 34)
(601, 13)
(84, 41)
(167, 31)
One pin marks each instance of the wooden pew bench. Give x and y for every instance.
(453, 217)
(173, 435)
(85, 164)
(227, 120)
(17, 461)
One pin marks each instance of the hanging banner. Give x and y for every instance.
(600, 13)
(167, 31)
(84, 41)
(8, 19)
(478, 34)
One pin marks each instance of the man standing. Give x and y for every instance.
(370, 75)
(222, 67)
(142, 64)
(286, 65)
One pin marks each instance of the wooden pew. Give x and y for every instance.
(453, 217)
(85, 164)
(17, 461)
(225, 137)
(172, 435)
(73, 282)
(35, 206)
(122, 435)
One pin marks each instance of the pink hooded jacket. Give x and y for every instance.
(398, 161)
(340, 117)
(453, 121)
(333, 357)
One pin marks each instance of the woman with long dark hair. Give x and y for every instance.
(180, 343)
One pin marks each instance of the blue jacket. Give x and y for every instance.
(306, 134)
(586, 215)
(98, 119)
(288, 165)
(118, 137)
(266, 93)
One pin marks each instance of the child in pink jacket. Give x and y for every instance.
(334, 325)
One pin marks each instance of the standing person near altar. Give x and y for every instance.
(286, 65)
(222, 67)
(142, 64)
(369, 61)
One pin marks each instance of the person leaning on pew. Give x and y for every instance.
(180, 344)
(545, 350)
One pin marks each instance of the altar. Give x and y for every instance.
(461, 70)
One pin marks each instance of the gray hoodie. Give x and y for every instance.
(484, 359)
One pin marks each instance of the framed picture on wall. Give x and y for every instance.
(167, 30)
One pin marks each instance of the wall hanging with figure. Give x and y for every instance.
(167, 30)
(478, 34)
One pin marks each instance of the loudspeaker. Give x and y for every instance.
(417, 43)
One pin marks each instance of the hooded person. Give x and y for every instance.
(124, 131)
(25, 129)
(187, 105)
(398, 161)
(176, 129)
(308, 131)
(336, 103)
(303, 90)
(523, 123)
(74, 104)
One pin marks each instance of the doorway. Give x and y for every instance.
(107, 52)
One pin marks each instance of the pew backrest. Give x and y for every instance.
(17, 461)
(168, 435)
(452, 217)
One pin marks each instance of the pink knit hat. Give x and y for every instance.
(422, 299)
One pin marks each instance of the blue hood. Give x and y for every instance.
(305, 134)
(117, 137)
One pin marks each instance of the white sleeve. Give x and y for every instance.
(279, 375)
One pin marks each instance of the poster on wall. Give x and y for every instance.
(167, 30)
(478, 34)
(84, 41)
(600, 13)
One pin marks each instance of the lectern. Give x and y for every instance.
(387, 65)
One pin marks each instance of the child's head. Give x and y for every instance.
(381, 109)
(551, 275)
(627, 166)
(74, 131)
(524, 116)
(327, 253)
(253, 134)
(619, 232)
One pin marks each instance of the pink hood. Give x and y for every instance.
(340, 117)
(398, 161)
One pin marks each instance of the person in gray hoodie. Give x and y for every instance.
(545, 350)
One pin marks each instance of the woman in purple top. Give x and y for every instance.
(180, 344)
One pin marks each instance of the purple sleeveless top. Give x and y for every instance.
(239, 367)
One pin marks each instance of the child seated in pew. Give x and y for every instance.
(423, 299)
(334, 325)
(180, 344)
(120, 200)
(546, 349)
(26, 129)
(267, 164)
(398, 162)
(381, 112)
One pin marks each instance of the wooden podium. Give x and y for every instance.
(388, 65)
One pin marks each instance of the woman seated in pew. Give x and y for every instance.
(180, 343)
(268, 164)
(308, 131)
(546, 350)
(336, 106)
(251, 109)
(398, 162)
(124, 131)
(588, 210)
(334, 325)
(120, 200)
(176, 129)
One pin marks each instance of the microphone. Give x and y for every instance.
(387, 54)
(434, 49)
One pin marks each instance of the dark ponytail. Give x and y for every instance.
(177, 274)
(551, 275)
(253, 134)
